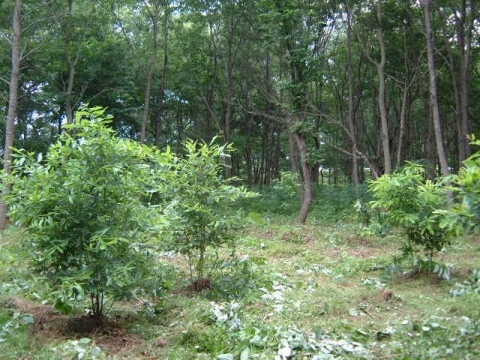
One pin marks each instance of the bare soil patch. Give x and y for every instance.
(110, 335)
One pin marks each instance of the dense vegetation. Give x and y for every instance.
(119, 250)
(347, 79)
(157, 152)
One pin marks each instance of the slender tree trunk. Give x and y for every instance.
(150, 74)
(248, 146)
(12, 107)
(229, 97)
(307, 180)
(72, 59)
(437, 125)
(459, 68)
(464, 43)
(278, 152)
(72, 63)
(403, 120)
(292, 152)
(351, 108)
(209, 115)
(382, 105)
(209, 98)
(265, 161)
(159, 113)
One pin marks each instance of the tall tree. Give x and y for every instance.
(296, 46)
(153, 9)
(432, 71)
(12, 105)
(461, 20)
(380, 64)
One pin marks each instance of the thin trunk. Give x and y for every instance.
(278, 153)
(146, 102)
(12, 107)
(72, 63)
(209, 100)
(209, 115)
(437, 125)
(265, 159)
(403, 120)
(264, 164)
(464, 40)
(248, 147)
(382, 105)
(149, 79)
(159, 113)
(307, 180)
(247, 129)
(459, 71)
(73, 59)
(431, 167)
(351, 108)
(229, 99)
(292, 152)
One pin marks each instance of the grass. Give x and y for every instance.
(318, 291)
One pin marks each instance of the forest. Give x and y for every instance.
(269, 179)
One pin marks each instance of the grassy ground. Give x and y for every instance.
(319, 291)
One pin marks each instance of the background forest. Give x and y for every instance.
(335, 90)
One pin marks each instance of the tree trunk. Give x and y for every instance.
(464, 32)
(12, 107)
(382, 105)
(437, 125)
(72, 59)
(159, 113)
(150, 74)
(351, 108)
(292, 152)
(229, 97)
(72, 63)
(459, 68)
(307, 180)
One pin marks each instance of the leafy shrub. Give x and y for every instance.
(236, 278)
(464, 214)
(83, 212)
(408, 201)
(200, 214)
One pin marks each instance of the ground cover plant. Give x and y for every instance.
(318, 291)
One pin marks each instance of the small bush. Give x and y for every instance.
(83, 212)
(200, 212)
(407, 201)
(464, 214)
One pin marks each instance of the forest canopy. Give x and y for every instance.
(349, 77)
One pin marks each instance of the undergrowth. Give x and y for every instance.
(317, 291)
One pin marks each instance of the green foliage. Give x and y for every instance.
(408, 201)
(336, 203)
(281, 198)
(238, 278)
(82, 209)
(200, 213)
(464, 214)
